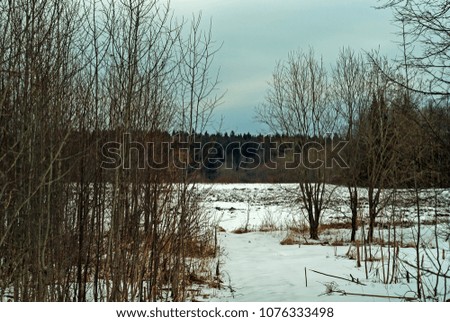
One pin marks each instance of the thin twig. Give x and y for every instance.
(426, 270)
(353, 280)
(407, 298)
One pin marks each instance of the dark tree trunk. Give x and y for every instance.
(371, 227)
(354, 210)
(314, 230)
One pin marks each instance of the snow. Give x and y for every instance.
(260, 269)
(256, 267)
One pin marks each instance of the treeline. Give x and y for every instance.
(277, 158)
(73, 75)
(203, 157)
(414, 138)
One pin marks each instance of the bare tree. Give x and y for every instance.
(199, 94)
(351, 98)
(197, 100)
(375, 131)
(297, 104)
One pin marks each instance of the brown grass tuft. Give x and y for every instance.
(335, 225)
(240, 230)
(220, 229)
(337, 242)
(289, 240)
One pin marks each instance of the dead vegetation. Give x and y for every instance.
(87, 212)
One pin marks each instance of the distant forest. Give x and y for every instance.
(230, 157)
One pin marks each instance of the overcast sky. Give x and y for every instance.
(258, 33)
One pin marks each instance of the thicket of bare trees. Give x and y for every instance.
(391, 133)
(73, 76)
(422, 144)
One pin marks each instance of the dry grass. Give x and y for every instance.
(338, 242)
(200, 249)
(335, 225)
(270, 223)
(241, 230)
(289, 240)
(301, 230)
(220, 229)
(384, 243)
(268, 227)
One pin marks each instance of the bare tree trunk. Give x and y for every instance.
(353, 192)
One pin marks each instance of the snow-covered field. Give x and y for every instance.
(259, 265)
(254, 266)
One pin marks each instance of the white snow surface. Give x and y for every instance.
(256, 267)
